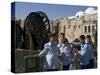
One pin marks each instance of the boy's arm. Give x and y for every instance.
(83, 52)
(59, 53)
(68, 51)
(43, 52)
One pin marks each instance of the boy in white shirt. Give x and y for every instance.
(51, 53)
(65, 51)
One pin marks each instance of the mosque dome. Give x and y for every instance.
(90, 10)
(79, 13)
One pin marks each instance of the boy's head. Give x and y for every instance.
(82, 38)
(88, 38)
(61, 37)
(77, 47)
(52, 37)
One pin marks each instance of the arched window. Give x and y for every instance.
(64, 28)
(59, 29)
(69, 26)
(89, 29)
(79, 26)
(93, 29)
(85, 29)
(74, 27)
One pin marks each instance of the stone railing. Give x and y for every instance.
(26, 61)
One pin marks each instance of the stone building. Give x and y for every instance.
(74, 26)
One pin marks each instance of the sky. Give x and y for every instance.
(53, 11)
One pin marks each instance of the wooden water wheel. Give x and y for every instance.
(36, 29)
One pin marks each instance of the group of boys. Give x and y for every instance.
(56, 53)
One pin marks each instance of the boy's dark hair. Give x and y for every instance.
(51, 35)
(82, 37)
(88, 36)
(77, 47)
(62, 34)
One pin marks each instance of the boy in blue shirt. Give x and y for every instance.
(84, 53)
(91, 54)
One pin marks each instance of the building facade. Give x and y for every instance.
(83, 23)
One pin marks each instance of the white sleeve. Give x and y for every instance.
(44, 51)
(83, 52)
